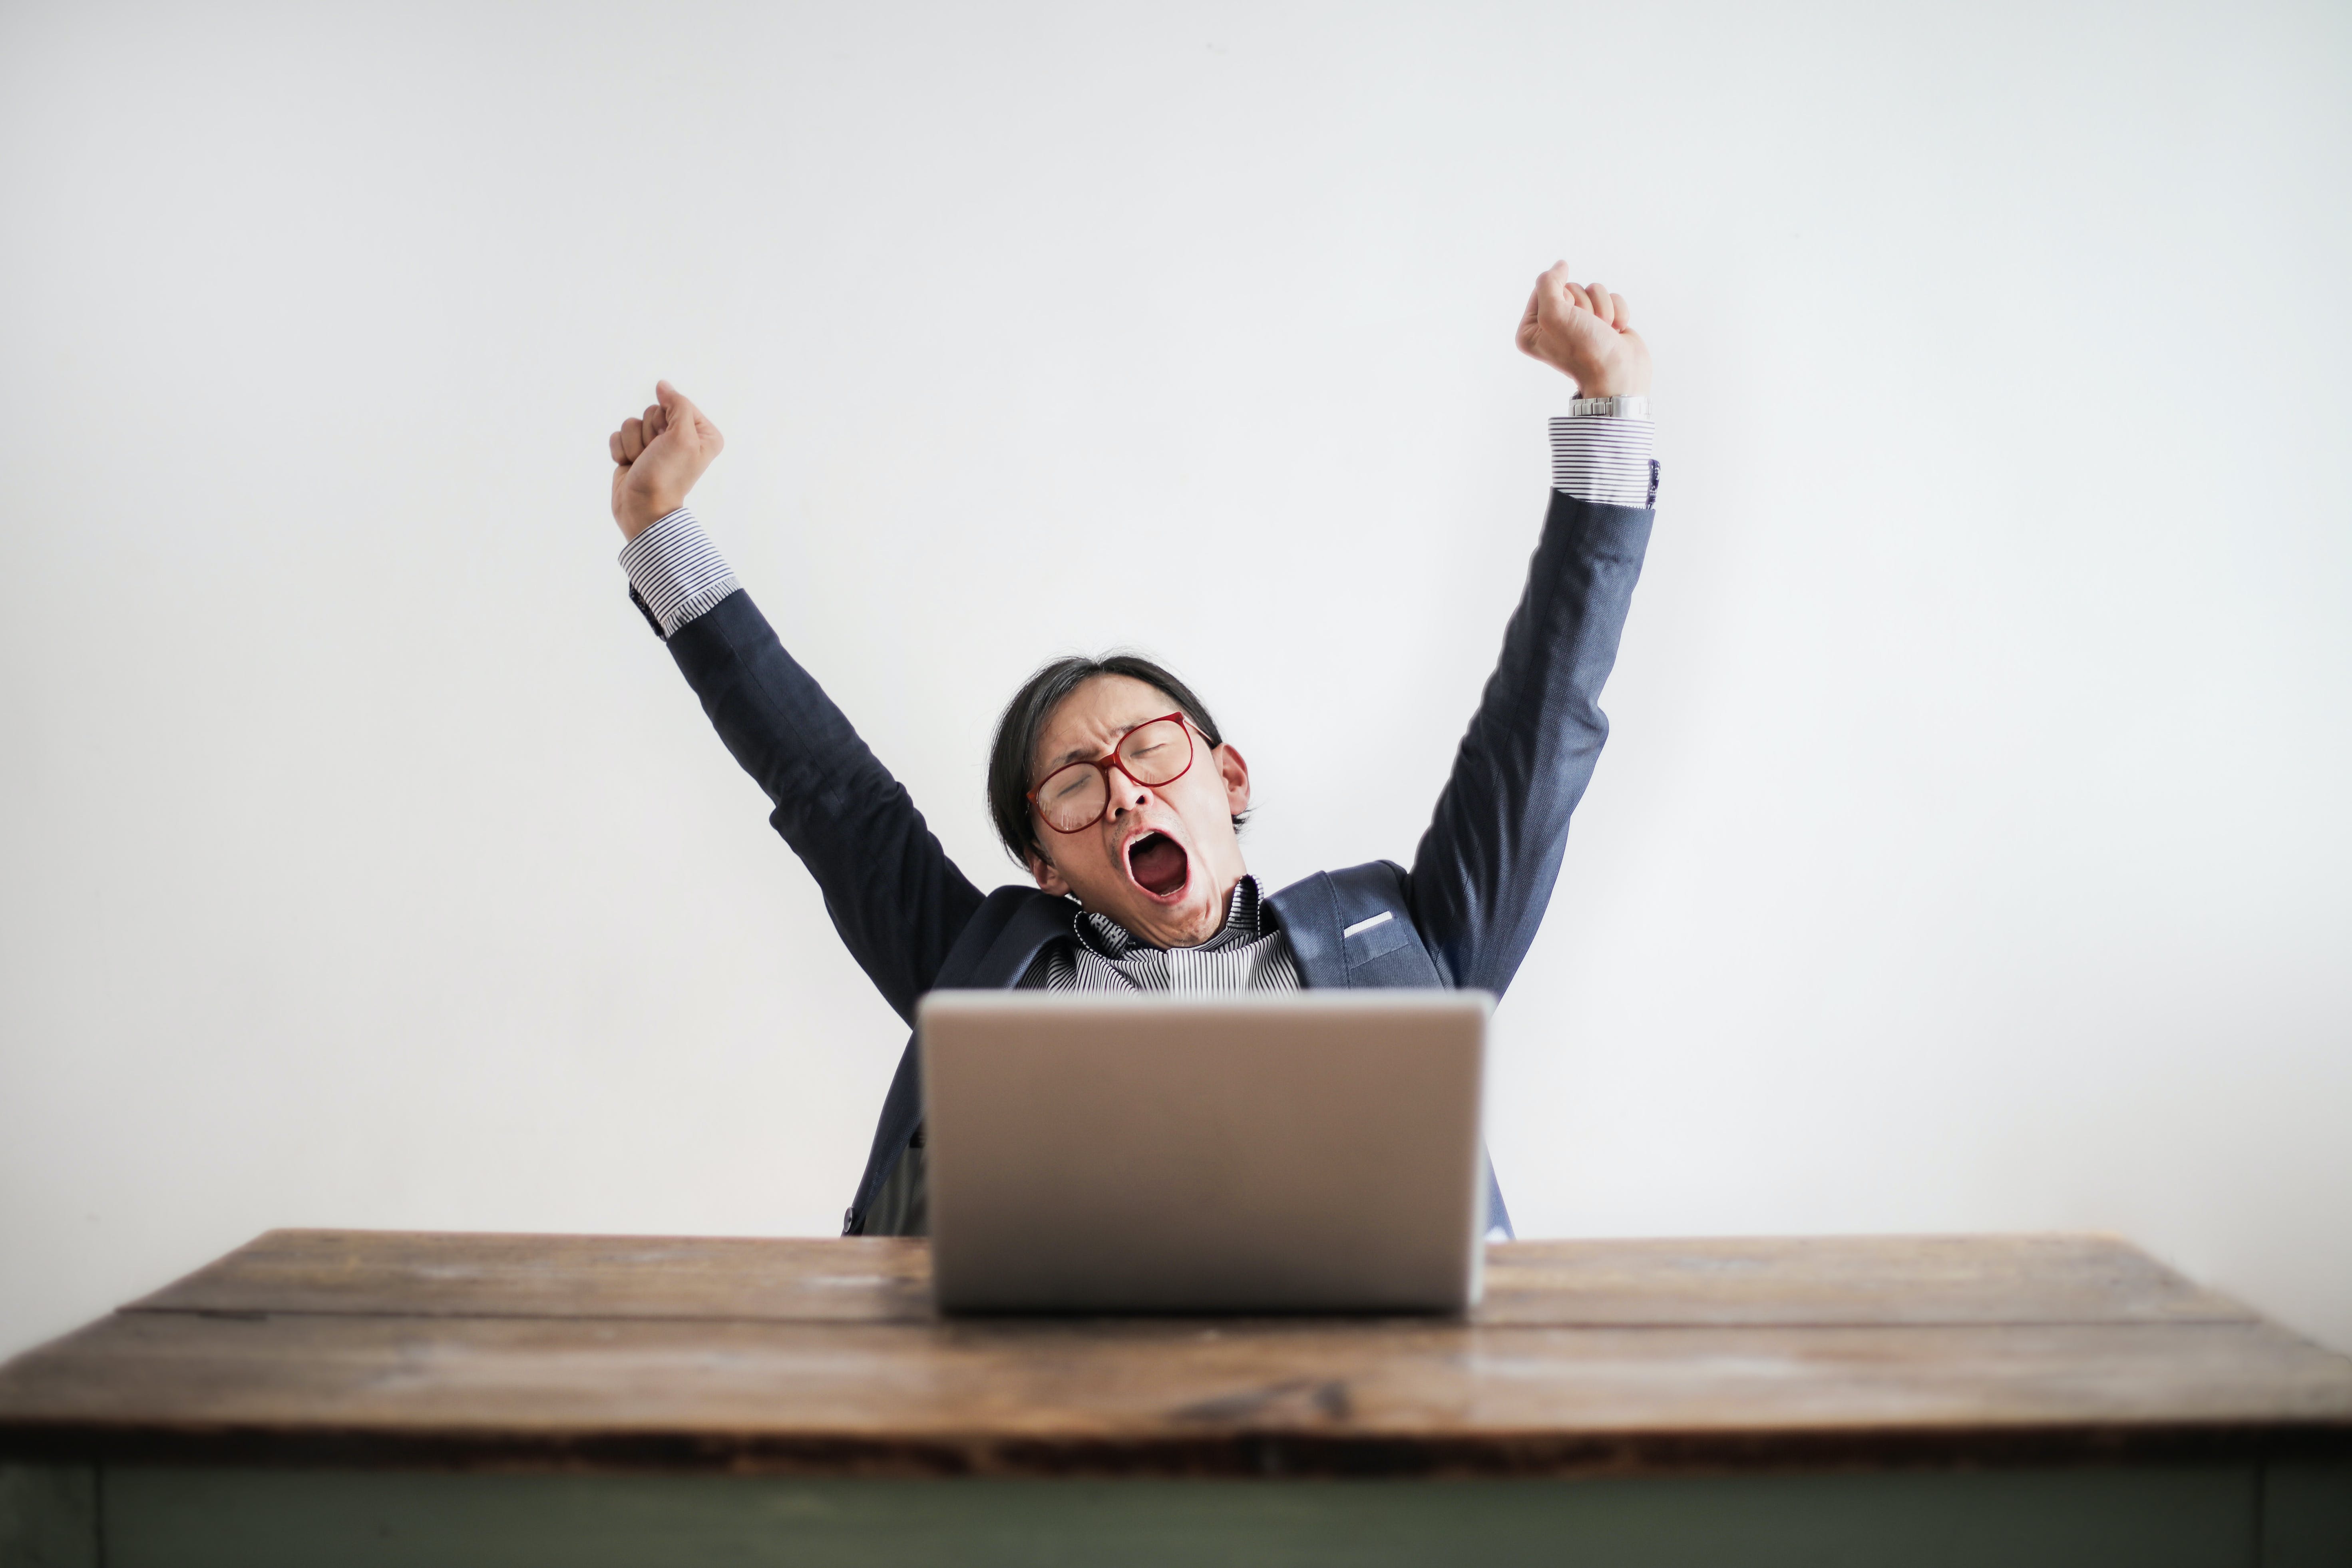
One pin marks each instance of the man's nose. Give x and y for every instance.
(1126, 796)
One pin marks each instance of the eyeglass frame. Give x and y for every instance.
(1109, 760)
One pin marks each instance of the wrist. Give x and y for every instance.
(635, 518)
(1611, 385)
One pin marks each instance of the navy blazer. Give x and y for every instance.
(1463, 915)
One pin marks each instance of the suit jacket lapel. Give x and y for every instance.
(1038, 920)
(1309, 914)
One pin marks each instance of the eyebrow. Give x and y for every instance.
(1088, 753)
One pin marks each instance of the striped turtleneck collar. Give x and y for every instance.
(1246, 921)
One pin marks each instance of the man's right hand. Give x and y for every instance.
(660, 454)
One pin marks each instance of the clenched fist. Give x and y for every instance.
(1584, 334)
(661, 453)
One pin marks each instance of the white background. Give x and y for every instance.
(1971, 850)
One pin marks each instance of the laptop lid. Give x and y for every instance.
(1105, 1152)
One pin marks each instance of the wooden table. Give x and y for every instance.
(363, 1398)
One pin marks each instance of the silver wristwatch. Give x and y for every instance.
(1636, 407)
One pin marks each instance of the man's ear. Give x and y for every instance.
(1234, 769)
(1048, 879)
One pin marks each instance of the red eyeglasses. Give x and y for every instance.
(1074, 797)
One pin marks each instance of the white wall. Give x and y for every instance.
(1972, 852)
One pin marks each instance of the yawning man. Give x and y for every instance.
(1111, 783)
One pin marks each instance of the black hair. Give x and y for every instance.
(1025, 721)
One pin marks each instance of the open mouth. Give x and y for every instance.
(1158, 864)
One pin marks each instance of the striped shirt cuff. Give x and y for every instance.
(677, 571)
(1605, 460)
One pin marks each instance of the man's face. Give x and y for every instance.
(1163, 860)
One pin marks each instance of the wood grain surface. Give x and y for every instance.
(1848, 1281)
(825, 1358)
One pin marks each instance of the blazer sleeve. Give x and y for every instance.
(1485, 869)
(894, 897)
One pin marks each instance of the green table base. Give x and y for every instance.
(2288, 1516)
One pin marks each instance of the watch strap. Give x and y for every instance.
(1625, 407)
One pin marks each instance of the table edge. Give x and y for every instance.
(1243, 1451)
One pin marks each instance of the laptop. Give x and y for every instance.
(1125, 1153)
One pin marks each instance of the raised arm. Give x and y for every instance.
(1485, 869)
(894, 897)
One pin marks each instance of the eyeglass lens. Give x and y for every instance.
(1154, 753)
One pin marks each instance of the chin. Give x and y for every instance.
(1190, 928)
(1157, 919)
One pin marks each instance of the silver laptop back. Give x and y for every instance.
(1124, 1152)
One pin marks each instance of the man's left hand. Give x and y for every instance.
(1585, 333)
